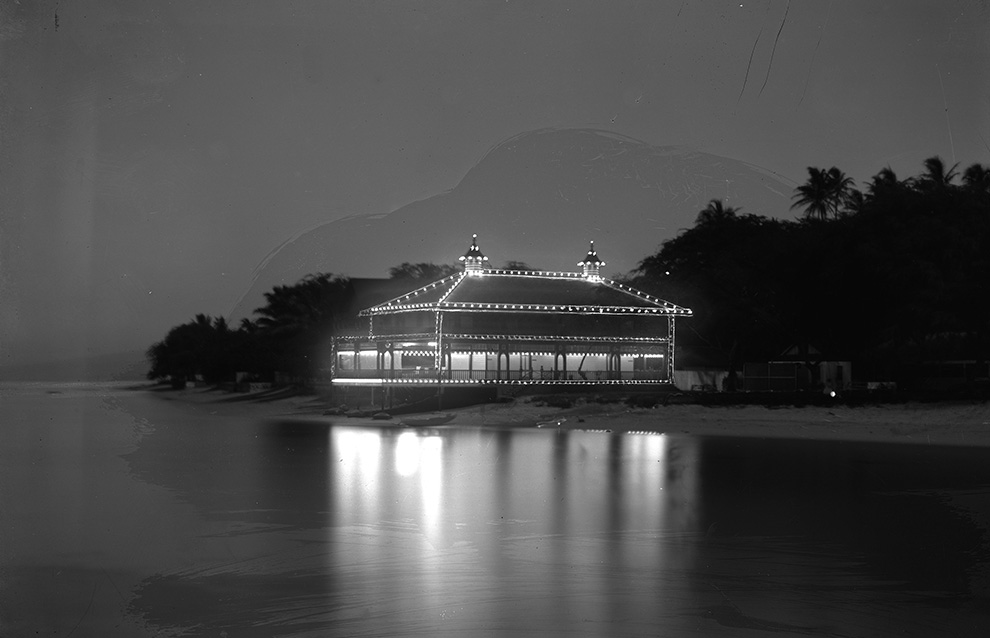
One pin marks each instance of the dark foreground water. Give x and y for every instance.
(124, 514)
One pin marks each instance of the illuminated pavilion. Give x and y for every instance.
(489, 326)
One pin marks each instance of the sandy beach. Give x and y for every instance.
(942, 423)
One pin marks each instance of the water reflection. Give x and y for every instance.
(355, 475)
(286, 474)
(513, 531)
(549, 483)
(497, 525)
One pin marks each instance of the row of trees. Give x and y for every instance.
(290, 331)
(290, 334)
(895, 274)
(831, 194)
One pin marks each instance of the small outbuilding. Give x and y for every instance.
(801, 367)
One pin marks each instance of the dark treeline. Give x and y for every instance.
(290, 335)
(286, 336)
(889, 276)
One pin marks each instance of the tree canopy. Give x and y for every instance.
(825, 193)
(291, 333)
(423, 271)
(893, 275)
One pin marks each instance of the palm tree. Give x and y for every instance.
(855, 201)
(886, 194)
(187, 350)
(297, 319)
(844, 196)
(936, 177)
(247, 326)
(976, 187)
(977, 178)
(715, 212)
(158, 356)
(825, 193)
(883, 182)
(310, 302)
(814, 195)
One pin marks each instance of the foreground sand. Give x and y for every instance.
(962, 423)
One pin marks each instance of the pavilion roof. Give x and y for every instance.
(494, 290)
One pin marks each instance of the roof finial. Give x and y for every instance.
(474, 260)
(592, 264)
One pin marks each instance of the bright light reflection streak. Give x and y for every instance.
(645, 541)
(424, 455)
(655, 474)
(431, 482)
(358, 469)
(649, 450)
(407, 454)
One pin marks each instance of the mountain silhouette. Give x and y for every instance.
(538, 198)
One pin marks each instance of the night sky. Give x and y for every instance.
(153, 153)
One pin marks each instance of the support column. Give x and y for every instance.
(503, 350)
(560, 370)
(438, 359)
(438, 352)
(670, 349)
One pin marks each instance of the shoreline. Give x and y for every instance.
(956, 423)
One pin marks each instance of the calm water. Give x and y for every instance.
(125, 514)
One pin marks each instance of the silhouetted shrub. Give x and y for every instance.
(554, 401)
(643, 401)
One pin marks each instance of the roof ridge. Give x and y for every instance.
(508, 272)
